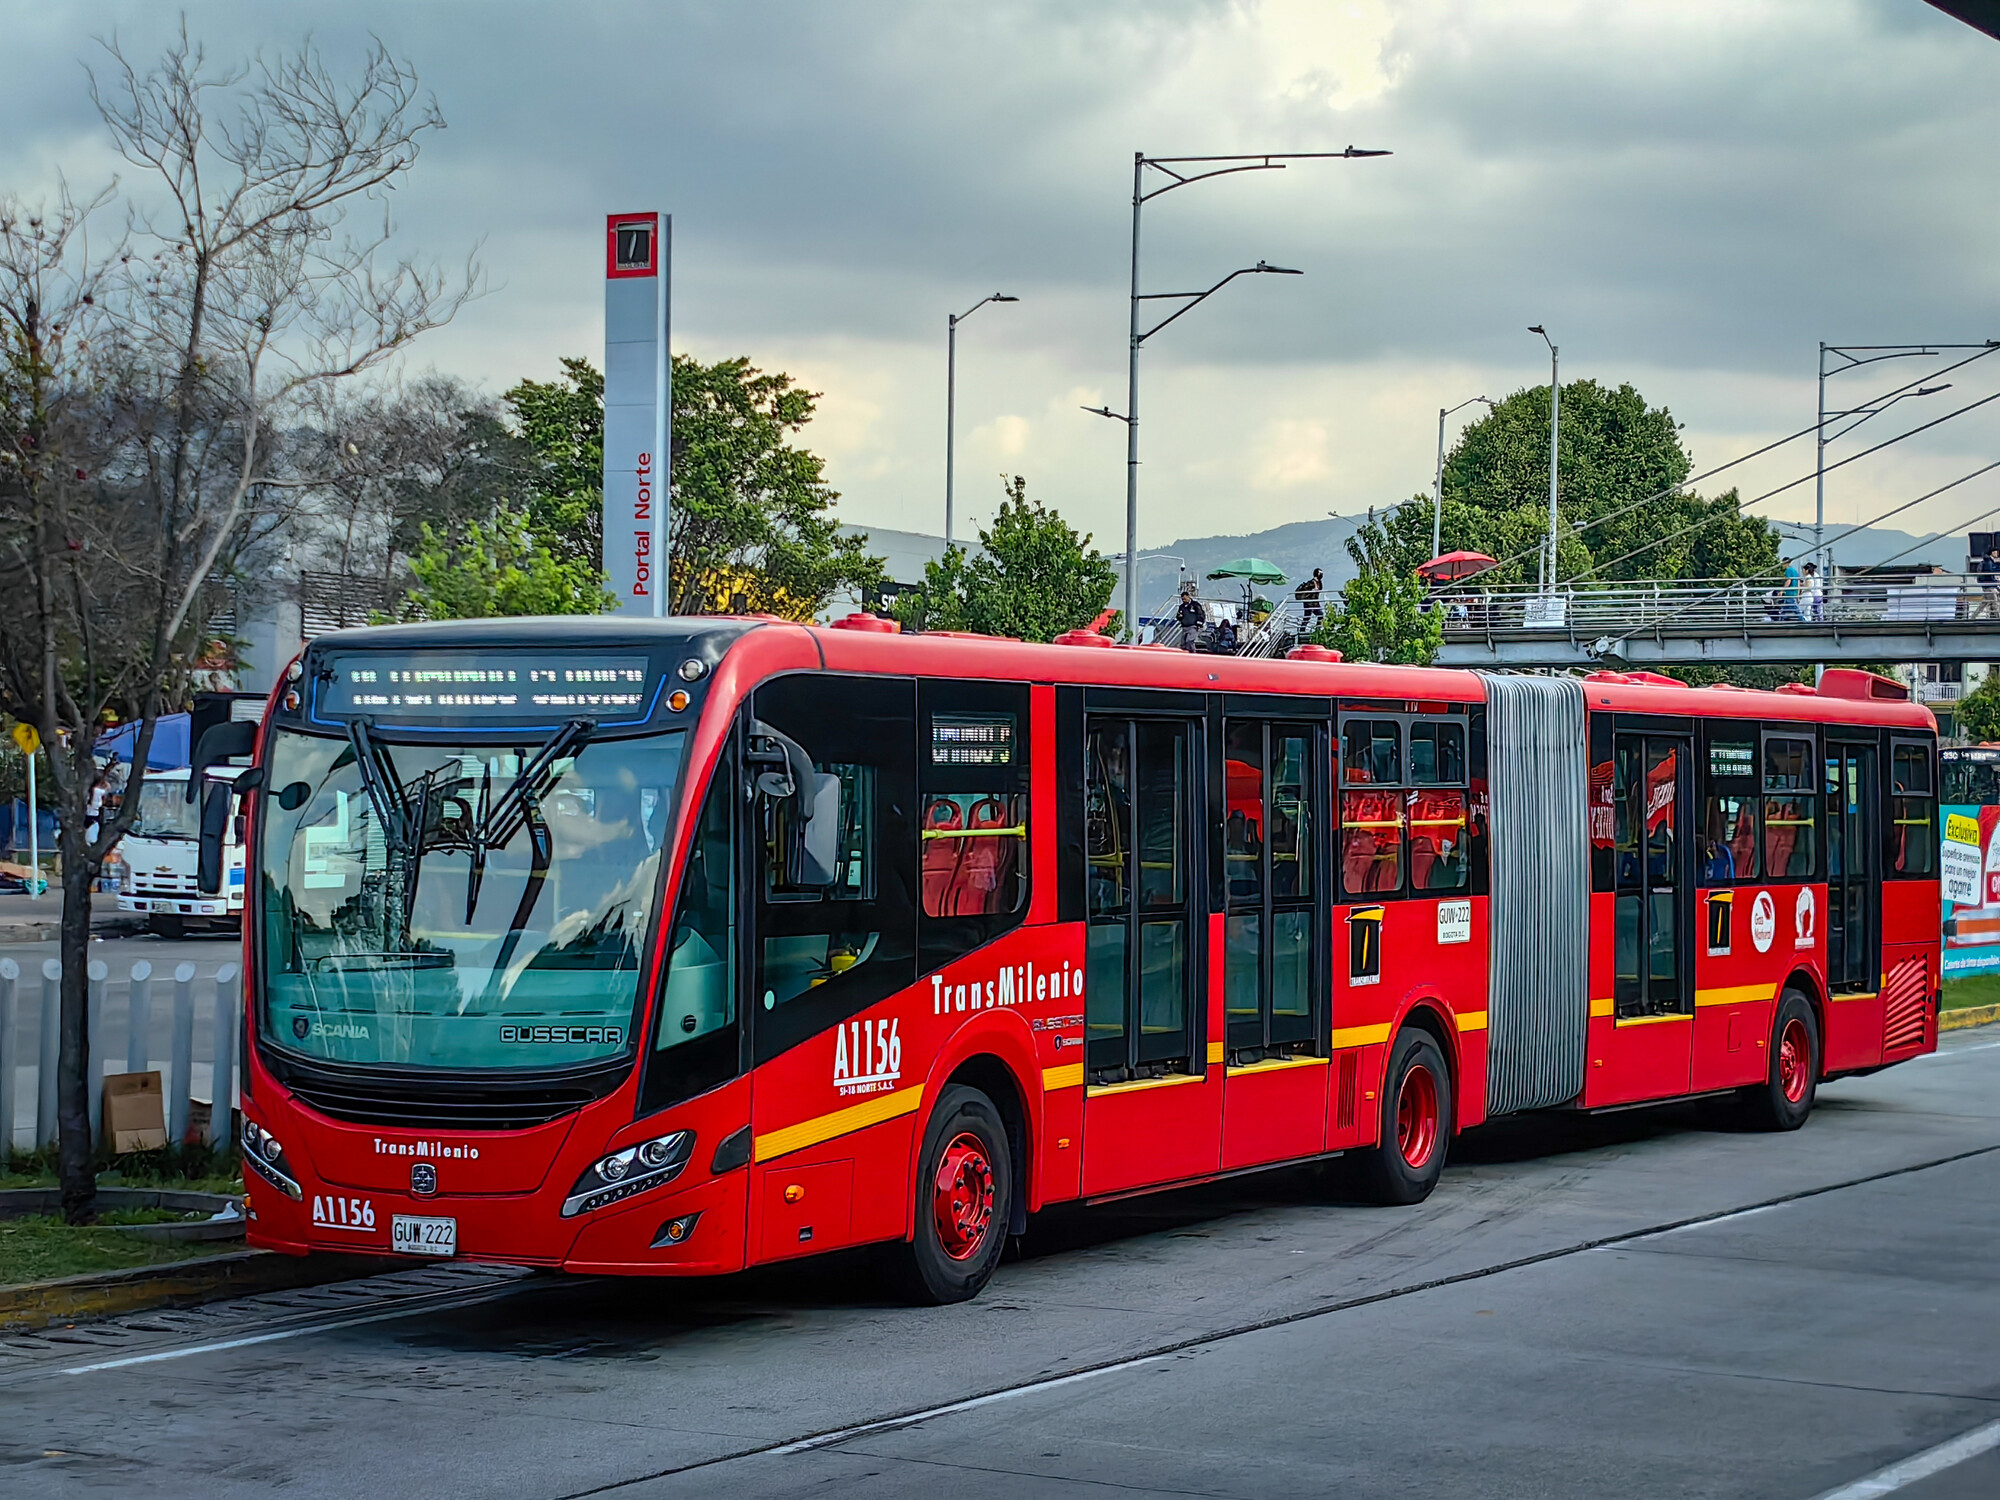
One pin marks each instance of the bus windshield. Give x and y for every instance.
(459, 906)
(165, 812)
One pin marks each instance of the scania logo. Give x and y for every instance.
(423, 1179)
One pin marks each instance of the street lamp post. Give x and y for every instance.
(952, 321)
(1437, 487)
(1555, 409)
(1170, 167)
(1853, 357)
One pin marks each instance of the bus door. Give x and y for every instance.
(1649, 1053)
(1150, 1114)
(1274, 978)
(1853, 923)
(1853, 870)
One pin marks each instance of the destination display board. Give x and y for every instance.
(486, 687)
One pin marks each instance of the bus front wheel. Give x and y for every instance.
(964, 1202)
(1407, 1158)
(1785, 1098)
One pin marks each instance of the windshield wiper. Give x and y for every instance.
(497, 821)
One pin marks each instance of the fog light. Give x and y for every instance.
(693, 670)
(675, 1231)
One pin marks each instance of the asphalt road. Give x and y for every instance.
(1583, 1308)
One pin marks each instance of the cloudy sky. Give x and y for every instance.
(1690, 194)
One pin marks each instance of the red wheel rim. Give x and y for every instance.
(962, 1197)
(1417, 1116)
(1795, 1060)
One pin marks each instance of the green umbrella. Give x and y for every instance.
(1250, 569)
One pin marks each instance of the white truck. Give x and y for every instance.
(159, 855)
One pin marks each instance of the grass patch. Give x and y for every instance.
(40, 1249)
(1974, 989)
(193, 1169)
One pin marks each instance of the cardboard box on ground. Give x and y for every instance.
(135, 1117)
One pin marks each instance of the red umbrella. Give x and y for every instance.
(1453, 566)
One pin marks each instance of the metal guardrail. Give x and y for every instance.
(1276, 635)
(29, 1007)
(1621, 609)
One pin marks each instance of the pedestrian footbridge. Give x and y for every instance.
(1721, 622)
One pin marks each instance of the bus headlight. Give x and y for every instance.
(263, 1155)
(616, 1177)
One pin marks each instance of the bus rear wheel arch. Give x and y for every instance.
(1414, 1133)
(964, 1202)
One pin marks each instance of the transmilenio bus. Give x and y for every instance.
(680, 946)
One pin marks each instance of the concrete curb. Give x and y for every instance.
(188, 1283)
(1970, 1015)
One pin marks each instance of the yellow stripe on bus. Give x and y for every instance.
(1472, 1020)
(1736, 994)
(1360, 1036)
(840, 1122)
(1068, 1076)
(1602, 1007)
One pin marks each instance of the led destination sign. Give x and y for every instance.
(473, 686)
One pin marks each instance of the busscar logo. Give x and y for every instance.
(423, 1179)
(597, 1036)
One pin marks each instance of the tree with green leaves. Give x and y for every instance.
(1616, 452)
(1033, 578)
(752, 513)
(562, 423)
(1978, 715)
(502, 566)
(1381, 614)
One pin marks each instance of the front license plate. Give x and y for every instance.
(414, 1236)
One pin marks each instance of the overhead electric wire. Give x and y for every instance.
(1675, 489)
(1754, 578)
(1743, 505)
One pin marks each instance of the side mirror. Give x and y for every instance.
(781, 770)
(215, 797)
(220, 742)
(814, 857)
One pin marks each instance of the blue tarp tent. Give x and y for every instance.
(168, 752)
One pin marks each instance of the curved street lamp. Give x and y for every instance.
(1437, 486)
(951, 393)
(1176, 169)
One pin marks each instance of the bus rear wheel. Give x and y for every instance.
(1785, 1098)
(1408, 1156)
(964, 1202)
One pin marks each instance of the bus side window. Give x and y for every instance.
(694, 1025)
(825, 952)
(1912, 810)
(1729, 807)
(1791, 800)
(972, 777)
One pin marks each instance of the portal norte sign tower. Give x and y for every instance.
(638, 407)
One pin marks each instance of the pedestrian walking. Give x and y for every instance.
(1815, 595)
(1989, 584)
(1311, 593)
(1190, 617)
(1788, 607)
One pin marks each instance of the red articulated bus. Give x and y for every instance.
(681, 946)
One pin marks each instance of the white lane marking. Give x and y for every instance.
(1920, 1466)
(891, 1424)
(1741, 1213)
(219, 1345)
